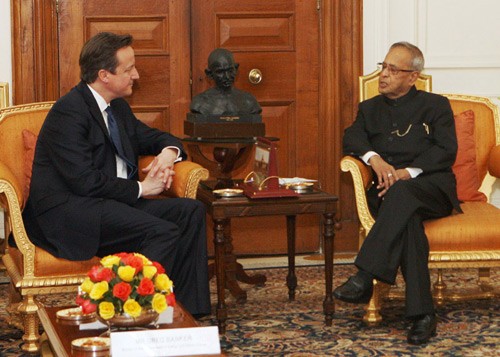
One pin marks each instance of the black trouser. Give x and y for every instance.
(170, 231)
(397, 239)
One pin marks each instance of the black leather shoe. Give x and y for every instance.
(422, 330)
(354, 290)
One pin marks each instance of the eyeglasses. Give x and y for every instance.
(393, 70)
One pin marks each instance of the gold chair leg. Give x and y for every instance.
(372, 316)
(483, 279)
(13, 314)
(439, 288)
(28, 309)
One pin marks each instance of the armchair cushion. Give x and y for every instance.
(460, 232)
(29, 140)
(465, 167)
(47, 265)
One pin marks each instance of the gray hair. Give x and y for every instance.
(417, 61)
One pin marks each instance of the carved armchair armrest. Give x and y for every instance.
(362, 179)
(11, 199)
(494, 161)
(187, 177)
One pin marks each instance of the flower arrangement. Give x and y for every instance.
(125, 283)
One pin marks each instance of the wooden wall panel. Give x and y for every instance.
(257, 32)
(154, 116)
(150, 32)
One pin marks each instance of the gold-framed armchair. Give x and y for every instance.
(468, 240)
(32, 270)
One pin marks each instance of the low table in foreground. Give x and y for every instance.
(61, 333)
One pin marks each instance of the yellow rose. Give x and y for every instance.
(126, 273)
(149, 271)
(87, 285)
(132, 308)
(106, 310)
(98, 290)
(110, 260)
(163, 283)
(145, 260)
(159, 303)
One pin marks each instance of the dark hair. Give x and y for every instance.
(100, 53)
(417, 58)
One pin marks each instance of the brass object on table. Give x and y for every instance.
(74, 315)
(91, 346)
(301, 187)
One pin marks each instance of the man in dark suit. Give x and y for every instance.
(408, 138)
(86, 198)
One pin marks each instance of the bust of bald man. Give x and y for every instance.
(224, 99)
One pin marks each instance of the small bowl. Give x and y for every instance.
(301, 187)
(74, 315)
(91, 346)
(228, 192)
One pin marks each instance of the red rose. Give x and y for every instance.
(170, 299)
(122, 255)
(122, 291)
(146, 287)
(86, 305)
(106, 274)
(79, 300)
(94, 273)
(134, 262)
(159, 267)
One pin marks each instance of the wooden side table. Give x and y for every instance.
(223, 209)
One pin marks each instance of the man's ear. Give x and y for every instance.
(414, 77)
(103, 75)
(208, 72)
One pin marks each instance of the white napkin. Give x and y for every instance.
(166, 317)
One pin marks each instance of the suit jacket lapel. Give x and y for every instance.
(93, 107)
(97, 115)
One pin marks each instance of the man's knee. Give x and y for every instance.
(196, 208)
(399, 190)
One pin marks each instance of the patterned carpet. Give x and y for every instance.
(268, 324)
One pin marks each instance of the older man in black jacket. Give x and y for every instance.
(408, 137)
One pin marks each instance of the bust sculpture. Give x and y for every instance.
(224, 99)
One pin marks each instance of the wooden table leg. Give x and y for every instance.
(291, 279)
(328, 303)
(219, 243)
(234, 270)
(231, 267)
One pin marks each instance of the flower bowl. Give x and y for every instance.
(126, 290)
(125, 321)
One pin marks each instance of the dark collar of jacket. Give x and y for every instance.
(403, 99)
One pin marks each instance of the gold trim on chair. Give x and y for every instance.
(4, 95)
(483, 100)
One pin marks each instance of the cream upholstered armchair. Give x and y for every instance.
(32, 270)
(468, 240)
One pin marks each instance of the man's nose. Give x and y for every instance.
(135, 74)
(385, 72)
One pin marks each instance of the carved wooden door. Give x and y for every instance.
(280, 39)
(161, 43)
